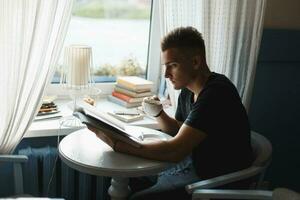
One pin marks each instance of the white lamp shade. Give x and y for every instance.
(78, 63)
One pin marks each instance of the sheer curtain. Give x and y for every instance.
(31, 37)
(232, 32)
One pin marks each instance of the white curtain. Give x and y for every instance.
(231, 30)
(31, 37)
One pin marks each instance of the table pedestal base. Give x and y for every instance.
(119, 189)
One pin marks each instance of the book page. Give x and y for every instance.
(107, 129)
(93, 111)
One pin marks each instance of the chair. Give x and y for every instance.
(17, 161)
(277, 194)
(262, 150)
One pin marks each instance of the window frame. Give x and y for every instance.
(153, 61)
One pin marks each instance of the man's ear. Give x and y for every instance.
(197, 60)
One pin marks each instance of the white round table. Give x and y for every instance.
(83, 151)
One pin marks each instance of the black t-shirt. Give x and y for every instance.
(219, 112)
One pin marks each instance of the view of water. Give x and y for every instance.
(112, 40)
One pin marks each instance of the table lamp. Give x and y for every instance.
(76, 76)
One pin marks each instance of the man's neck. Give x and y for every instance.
(198, 83)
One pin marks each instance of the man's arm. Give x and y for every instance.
(173, 150)
(167, 124)
(153, 107)
(186, 138)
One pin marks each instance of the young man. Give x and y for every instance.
(210, 124)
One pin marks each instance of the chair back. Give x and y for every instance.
(262, 150)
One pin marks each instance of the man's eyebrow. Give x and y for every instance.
(167, 63)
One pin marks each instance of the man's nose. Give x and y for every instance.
(167, 73)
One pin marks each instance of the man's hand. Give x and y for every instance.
(108, 140)
(152, 106)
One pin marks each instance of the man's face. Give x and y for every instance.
(178, 68)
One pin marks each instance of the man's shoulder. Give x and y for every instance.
(218, 80)
(220, 83)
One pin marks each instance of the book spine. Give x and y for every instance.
(122, 102)
(127, 98)
(124, 91)
(126, 84)
(133, 90)
(121, 96)
(134, 86)
(127, 139)
(131, 93)
(117, 101)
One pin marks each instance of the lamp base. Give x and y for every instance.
(76, 95)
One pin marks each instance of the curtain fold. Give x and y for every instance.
(232, 33)
(32, 33)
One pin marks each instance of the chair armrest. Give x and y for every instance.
(17, 161)
(13, 158)
(231, 194)
(224, 179)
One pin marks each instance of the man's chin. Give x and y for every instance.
(176, 87)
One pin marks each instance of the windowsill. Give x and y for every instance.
(52, 127)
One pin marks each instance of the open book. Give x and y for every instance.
(89, 115)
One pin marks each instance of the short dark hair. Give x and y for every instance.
(186, 38)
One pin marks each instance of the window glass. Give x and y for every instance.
(117, 31)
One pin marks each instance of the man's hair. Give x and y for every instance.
(184, 38)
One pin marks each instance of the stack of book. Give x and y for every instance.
(130, 91)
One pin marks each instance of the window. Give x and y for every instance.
(118, 32)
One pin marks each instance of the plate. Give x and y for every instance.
(146, 135)
(48, 113)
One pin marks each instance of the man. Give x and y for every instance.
(210, 124)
